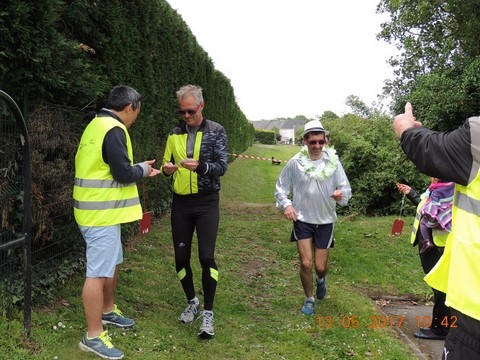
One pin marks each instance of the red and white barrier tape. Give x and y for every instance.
(256, 157)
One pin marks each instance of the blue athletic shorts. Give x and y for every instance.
(103, 249)
(322, 234)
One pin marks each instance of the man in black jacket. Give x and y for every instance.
(453, 156)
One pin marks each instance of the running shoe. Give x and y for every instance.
(308, 307)
(206, 330)
(321, 288)
(188, 315)
(115, 317)
(102, 346)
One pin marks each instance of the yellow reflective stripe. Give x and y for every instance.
(214, 274)
(181, 274)
(416, 222)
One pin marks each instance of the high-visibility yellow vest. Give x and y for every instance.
(99, 200)
(457, 273)
(185, 182)
(439, 236)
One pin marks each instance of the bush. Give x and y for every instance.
(265, 136)
(374, 163)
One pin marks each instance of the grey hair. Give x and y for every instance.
(121, 96)
(190, 90)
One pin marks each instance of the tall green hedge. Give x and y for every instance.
(71, 53)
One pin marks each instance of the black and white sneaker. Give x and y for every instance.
(206, 329)
(188, 315)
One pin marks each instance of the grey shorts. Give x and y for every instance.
(322, 234)
(103, 249)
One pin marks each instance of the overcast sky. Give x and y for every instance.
(286, 58)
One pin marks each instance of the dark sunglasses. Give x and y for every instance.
(319, 142)
(190, 112)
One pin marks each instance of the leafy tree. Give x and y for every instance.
(358, 106)
(277, 133)
(328, 115)
(440, 45)
(301, 118)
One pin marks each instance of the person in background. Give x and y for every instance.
(439, 327)
(196, 157)
(319, 183)
(436, 212)
(106, 196)
(453, 156)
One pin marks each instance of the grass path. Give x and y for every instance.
(257, 308)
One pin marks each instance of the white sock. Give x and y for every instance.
(195, 300)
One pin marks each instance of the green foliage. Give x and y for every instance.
(358, 107)
(265, 136)
(442, 101)
(40, 62)
(328, 115)
(437, 67)
(374, 162)
(145, 44)
(97, 45)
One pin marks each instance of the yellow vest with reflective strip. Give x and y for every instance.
(457, 273)
(439, 236)
(99, 200)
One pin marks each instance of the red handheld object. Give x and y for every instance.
(397, 227)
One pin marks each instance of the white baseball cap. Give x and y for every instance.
(314, 125)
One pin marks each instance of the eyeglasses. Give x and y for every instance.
(190, 112)
(319, 142)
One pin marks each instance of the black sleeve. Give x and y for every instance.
(116, 156)
(414, 197)
(444, 155)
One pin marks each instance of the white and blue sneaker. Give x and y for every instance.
(206, 330)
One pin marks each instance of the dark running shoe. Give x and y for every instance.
(321, 288)
(115, 317)
(102, 346)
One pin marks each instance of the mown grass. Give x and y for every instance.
(257, 308)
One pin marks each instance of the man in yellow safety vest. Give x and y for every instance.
(453, 156)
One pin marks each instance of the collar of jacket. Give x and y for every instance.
(183, 125)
